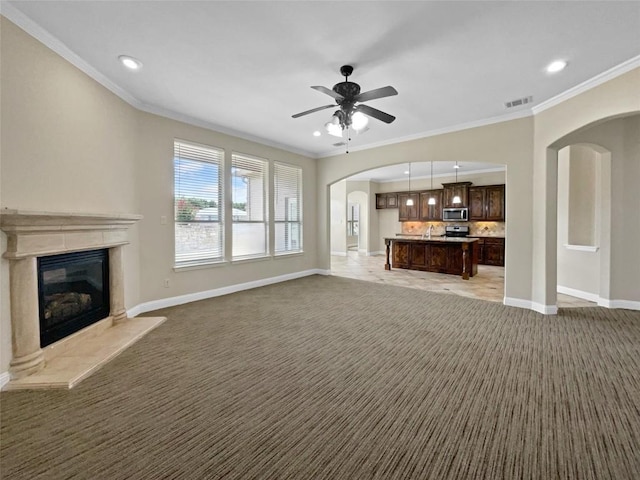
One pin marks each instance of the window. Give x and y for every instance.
(198, 204)
(249, 208)
(287, 208)
(353, 217)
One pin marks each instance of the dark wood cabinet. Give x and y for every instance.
(451, 190)
(386, 200)
(487, 203)
(495, 201)
(491, 251)
(408, 213)
(494, 251)
(434, 256)
(431, 212)
(477, 200)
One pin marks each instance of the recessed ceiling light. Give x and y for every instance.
(316, 133)
(456, 166)
(556, 66)
(130, 62)
(406, 172)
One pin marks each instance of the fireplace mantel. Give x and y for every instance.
(33, 234)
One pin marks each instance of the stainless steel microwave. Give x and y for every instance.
(460, 214)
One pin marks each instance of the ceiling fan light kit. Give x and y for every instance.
(353, 114)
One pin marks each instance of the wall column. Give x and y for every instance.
(116, 284)
(25, 318)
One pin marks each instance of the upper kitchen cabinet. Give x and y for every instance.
(487, 203)
(431, 212)
(451, 190)
(408, 213)
(386, 200)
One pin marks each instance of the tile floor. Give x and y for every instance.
(488, 284)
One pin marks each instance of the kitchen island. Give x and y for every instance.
(456, 256)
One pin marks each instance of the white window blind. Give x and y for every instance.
(199, 203)
(250, 206)
(288, 208)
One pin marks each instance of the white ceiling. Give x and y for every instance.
(423, 170)
(245, 67)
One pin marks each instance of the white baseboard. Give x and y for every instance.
(602, 302)
(591, 297)
(4, 379)
(194, 297)
(529, 305)
(628, 304)
(544, 309)
(553, 309)
(338, 254)
(373, 254)
(516, 302)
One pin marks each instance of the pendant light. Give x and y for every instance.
(432, 199)
(456, 199)
(409, 199)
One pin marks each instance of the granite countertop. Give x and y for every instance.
(486, 236)
(418, 238)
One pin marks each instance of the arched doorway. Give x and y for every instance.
(614, 143)
(584, 222)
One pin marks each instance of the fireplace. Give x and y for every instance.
(36, 241)
(73, 292)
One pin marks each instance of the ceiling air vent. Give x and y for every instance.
(518, 102)
(340, 144)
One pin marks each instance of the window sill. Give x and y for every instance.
(241, 260)
(299, 253)
(199, 266)
(582, 248)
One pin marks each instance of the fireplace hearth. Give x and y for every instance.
(73, 292)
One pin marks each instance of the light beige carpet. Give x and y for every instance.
(333, 378)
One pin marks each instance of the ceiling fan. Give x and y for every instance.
(352, 113)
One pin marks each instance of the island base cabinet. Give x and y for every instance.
(454, 259)
(401, 255)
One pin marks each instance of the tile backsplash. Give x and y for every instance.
(485, 229)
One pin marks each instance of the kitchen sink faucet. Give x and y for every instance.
(427, 232)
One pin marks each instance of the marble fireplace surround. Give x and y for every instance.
(33, 234)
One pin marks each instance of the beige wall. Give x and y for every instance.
(368, 217)
(339, 218)
(507, 143)
(617, 142)
(620, 96)
(70, 145)
(155, 162)
(422, 183)
(578, 269)
(67, 145)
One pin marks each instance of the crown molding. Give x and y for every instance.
(163, 112)
(53, 43)
(44, 37)
(432, 133)
(593, 82)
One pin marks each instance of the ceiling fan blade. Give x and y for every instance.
(313, 110)
(377, 93)
(329, 92)
(375, 113)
